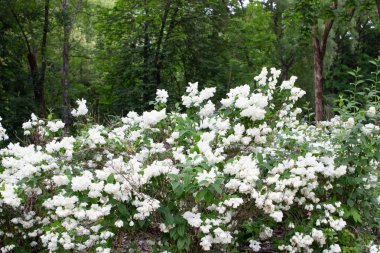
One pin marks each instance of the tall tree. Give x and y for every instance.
(37, 75)
(316, 19)
(147, 92)
(41, 79)
(319, 48)
(68, 23)
(162, 38)
(287, 42)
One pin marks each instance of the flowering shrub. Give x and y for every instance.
(242, 175)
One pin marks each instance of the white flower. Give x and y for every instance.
(337, 224)
(27, 125)
(335, 248)
(145, 207)
(194, 219)
(318, 236)
(207, 110)
(370, 128)
(233, 202)
(277, 216)
(374, 249)
(119, 223)
(266, 233)
(164, 228)
(81, 183)
(262, 78)
(3, 135)
(371, 112)
(221, 236)
(153, 117)
(55, 126)
(162, 96)
(254, 245)
(81, 110)
(60, 180)
(206, 242)
(112, 188)
(206, 178)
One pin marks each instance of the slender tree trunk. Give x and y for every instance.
(378, 7)
(318, 80)
(67, 28)
(319, 48)
(38, 90)
(33, 66)
(65, 66)
(146, 83)
(41, 81)
(159, 42)
(286, 64)
(161, 55)
(32, 61)
(284, 72)
(171, 25)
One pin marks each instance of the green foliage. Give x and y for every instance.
(122, 51)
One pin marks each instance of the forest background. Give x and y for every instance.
(116, 54)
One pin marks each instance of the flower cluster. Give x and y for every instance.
(247, 174)
(3, 135)
(81, 110)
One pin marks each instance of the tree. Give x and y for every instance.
(316, 20)
(287, 42)
(68, 23)
(319, 47)
(37, 75)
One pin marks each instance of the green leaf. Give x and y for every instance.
(208, 197)
(181, 243)
(165, 212)
(200, 195)
(173, 234)
(217, 188)
(181, 230)
(355, 215)
(178, 190)
(123, 210)
(111, 179)
(260, 158)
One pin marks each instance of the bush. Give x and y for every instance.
(245, 175)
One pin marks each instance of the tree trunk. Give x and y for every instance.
(41, 81)
(161, 55)
(32, 61)
(38, 96)
(286, 64)
(378, 7)
(146, 69)
(159, 42)
(65, 67)
(318, 80)
(284, 72)
(319, 48)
